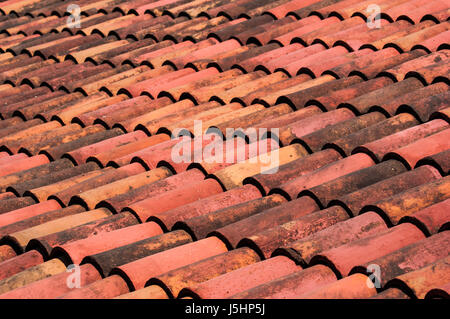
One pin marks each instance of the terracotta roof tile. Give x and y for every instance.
(232, 283)
(32, 274)
(442, 114)
(436, 43)
(292, 285)
(72, 252)
(16, 203)
(437, 16)
(298, 99)
(360, 227)
(266, 219)
(46, 243)
(381, 43)
(57, 151)
(267, 241)
(42, 219)
(431, 219)
(315, 140)
(22, 238)
(421, 103)
(91, 197)
(234, 175)
(7, 195)
(355, 201)
(250, 63)
(115, 111)
(43, 192)
(407, 42)
(65, 171)
(324, 174)
(17, 264)
(346, 144)
(87, 173)
(118, 202)
(207, 205)
(400, 71)
(362, 104)
(200, 226)
(56, 285)
(6, 253)
(175, 280)
(165, 120)
(239, 91)
(303, 127)
(106, 177)
(81, 154)
(204, 94)
(347, 184)
(332, 100)
(409, 258)
(380, 147)
(437, 293)
(416, 10)
(342, 259)
(398, 206)
(409, 157)
(171, 259)
(109, 288)
(105, 157)
(428, 75)
(417, 283)
(440, 161)
(260, 36)
(175, 93)
(351, 287)
(391, 293)
(23, 164)
(289, 171)
(175, 198)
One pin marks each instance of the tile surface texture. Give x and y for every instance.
(346, 194)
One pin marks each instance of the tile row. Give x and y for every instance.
(345, 194)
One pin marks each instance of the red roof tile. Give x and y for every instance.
(391, 293)
(409, 258)
(432, 219)
(55, 285)
(417, 283)
(438, 293)
(342, 258)
(351, 287)
(355, 201)
(15, 264)
(88, 176)
(242, 279)
(290, 286)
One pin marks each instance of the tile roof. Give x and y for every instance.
(88, 177)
